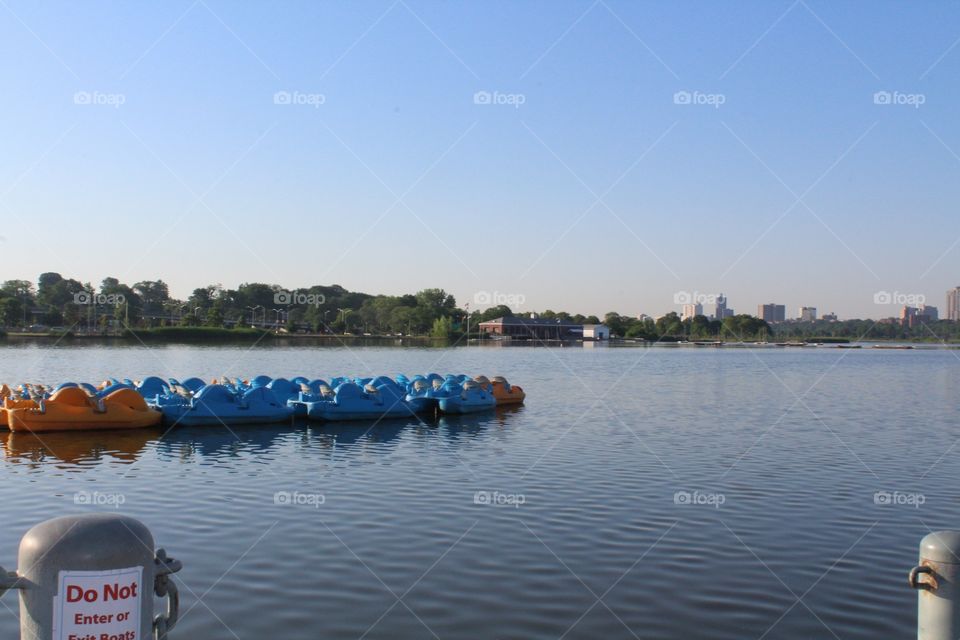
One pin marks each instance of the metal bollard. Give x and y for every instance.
(92, 577)
(938, 606)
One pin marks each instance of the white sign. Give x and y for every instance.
(98, 605)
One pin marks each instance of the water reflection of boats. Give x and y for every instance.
(206, 441)
(367, 431)
(81, 449)
(472, 424)
(78, 448)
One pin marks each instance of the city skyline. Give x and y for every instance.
(512, 152)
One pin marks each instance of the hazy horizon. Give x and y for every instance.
(586, 157)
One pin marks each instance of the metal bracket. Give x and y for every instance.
(914, 578)
(9, 580)
(164, 587)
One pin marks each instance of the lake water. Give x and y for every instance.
(641, 492)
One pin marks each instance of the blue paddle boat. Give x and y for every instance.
(284, 389)
(352, 402)
(260, 381)
(216, 405)
(193, 385)
(103, 393)
(152, 386)
(314, 391)
(471, 398)
(423, 397)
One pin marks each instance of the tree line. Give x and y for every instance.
(887, 329)
(68, 304)
(56, 301)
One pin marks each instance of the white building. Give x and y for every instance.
(808, 314)
(691, 310)
(953, 304)
(596, 332)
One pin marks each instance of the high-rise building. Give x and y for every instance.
(720, 308)
(953, 304)
(691, 310)
(808, 314)
(772, 312)
(907, 315)
(916, 316)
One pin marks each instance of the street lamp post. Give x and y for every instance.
(343, 317)
(279, 314)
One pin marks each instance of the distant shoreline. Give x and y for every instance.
(267, 339)
(226, 336)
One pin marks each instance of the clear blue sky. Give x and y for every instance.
(599, 192)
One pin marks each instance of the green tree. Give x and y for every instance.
(153, 294)
(442, 328)
(745, 327)
(669, 325)
(615, 322)
(214, 318)
(492, 313)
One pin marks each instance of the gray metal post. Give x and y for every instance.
(92, 576)
(938, 606)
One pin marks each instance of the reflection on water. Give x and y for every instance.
(76, 450)
(79, 450)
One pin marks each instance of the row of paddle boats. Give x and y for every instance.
(127, 404)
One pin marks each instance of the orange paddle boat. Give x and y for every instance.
(9, 400)
(71, 409)
(503, 391)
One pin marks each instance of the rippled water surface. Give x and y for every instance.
(646, 492)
